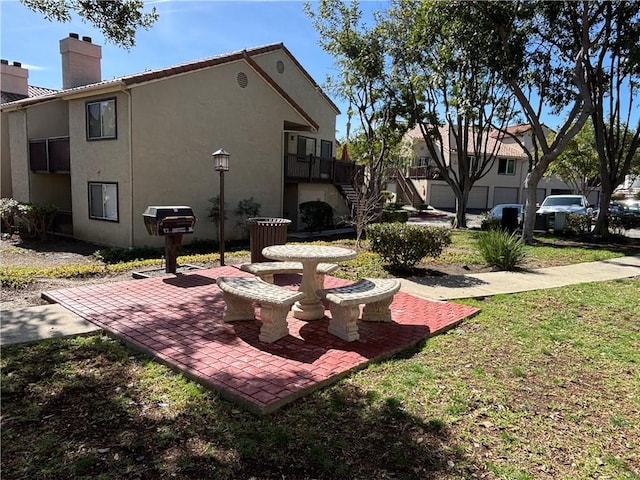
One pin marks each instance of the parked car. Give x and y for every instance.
(496, 211)
(577, 204)
(629, 206)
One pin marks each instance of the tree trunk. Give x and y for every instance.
(530, 186)
(602, 222)
(462, 201)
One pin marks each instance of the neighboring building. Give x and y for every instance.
(421, 183)
(103, 150)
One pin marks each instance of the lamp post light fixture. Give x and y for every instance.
(221, 164)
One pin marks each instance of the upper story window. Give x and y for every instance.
(506, 166)
(101, 119)
(306, 146)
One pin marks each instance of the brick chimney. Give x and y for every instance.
(14, 78)
(80, 61)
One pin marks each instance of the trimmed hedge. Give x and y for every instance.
(404, 246)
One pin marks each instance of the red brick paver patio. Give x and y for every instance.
(178, 319)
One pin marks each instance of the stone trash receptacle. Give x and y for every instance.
(264, 232)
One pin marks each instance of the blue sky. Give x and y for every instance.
(185, 31)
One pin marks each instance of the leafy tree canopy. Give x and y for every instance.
(118, 20)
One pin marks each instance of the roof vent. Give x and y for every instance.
(86, 39)
(280, 66)
(17, 64)
(74, 35)
(4, 62)
(243, 81)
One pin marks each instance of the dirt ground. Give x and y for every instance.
(60, 251)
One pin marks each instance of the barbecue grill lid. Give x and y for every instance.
(161, 211)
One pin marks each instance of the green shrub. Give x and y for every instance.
(491, 223)
(394, 216)
(247, 208)
(316, 215)
(8, 213)
(403, 246)
(576, 224)
(394, 207)
(618, 224)
(501, 249)
(387, 195)
(118, 255)
(34, 219)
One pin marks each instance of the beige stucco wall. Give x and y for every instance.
(50, 119)
(327, 193)
(100, 161)
(47, 120)
(5, 157)
(304, 92)
(166, 132)
(19, 152)
(199, 113)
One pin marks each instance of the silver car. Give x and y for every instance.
(577, 204)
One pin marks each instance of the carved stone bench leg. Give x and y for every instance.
(378, 311)
(274, 323)
(237, 308)
(266, 277)
(344, 322)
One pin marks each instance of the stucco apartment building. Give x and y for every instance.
(104, 150)
(502, 184)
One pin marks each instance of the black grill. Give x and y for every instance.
(171, 223)
(167, 220)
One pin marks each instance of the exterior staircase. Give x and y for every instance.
(407, 190)
(349, 194)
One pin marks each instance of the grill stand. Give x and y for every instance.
(171, 244)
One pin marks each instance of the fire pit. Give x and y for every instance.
(170, 222)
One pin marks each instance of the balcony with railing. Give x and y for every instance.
(50, 155)
(312, 169)
(424, 173)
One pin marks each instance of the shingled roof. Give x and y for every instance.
(34, 91)
(151, 75)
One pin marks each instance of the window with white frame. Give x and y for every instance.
(103, 201)
(506, 166)
(101, 119)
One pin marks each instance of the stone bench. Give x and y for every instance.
(275, 302)
(266, 270)
(344, 303)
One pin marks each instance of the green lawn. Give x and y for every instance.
(539, 385)
(543, 384)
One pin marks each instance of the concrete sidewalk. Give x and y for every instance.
(493, 283)
(49, 321)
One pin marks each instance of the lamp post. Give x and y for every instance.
(221, 164)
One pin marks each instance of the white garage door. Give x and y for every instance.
(478, 197)
(505, 195)
(442, 197)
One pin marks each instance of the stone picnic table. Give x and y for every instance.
(310, 307)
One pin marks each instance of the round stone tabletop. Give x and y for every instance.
(304, 253)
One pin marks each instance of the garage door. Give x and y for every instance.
(478, 198)
(442, 197)
(505, 195)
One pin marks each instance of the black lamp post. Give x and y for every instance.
(221, 164)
